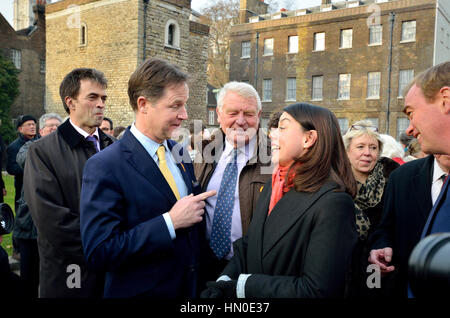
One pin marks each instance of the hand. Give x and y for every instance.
(220, 289)
(4, 192)
(382, 258)
(189, 210)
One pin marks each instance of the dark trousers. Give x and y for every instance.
(29, 266)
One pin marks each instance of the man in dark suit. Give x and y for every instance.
(141, 217)
(427, 105)
(406, 207)
(53, 172)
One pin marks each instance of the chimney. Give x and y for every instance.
(250, 8)
(39, 13)
(326, 2)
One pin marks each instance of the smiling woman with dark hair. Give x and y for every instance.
(302, 234)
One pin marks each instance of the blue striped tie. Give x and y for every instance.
(221, 230)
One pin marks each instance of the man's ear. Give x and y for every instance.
(445, 94)
(69, 102)
(310, 140)
(142, 104)
(218, 111)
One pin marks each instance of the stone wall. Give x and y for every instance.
(121, 34)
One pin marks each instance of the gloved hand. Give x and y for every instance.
(220, 289)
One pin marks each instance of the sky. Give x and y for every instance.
(6, 6)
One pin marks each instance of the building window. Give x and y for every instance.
(293, 44)
(268, 47)
(267, 90)
(375, 34)
(42, 66)
(402, 125)
(317, 88)
(319, 41)
(344, 86)
(373, 84)
(404, 78)
(346, 38)
(16, 57)
(408, 31)
(245, 49)
(291, 89)
(211, 117)
(172, 34)
(83, 34)
(374, 121)
(343, 125)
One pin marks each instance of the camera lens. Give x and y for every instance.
(429, 267)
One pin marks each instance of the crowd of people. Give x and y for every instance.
(295, 211)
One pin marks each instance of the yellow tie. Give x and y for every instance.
(161, 152)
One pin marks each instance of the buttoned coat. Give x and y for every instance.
(302, 249)
(407, 205)
(124, 197)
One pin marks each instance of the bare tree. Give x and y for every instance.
(220, 15)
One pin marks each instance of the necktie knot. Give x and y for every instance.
(161, 153)
(93, 140)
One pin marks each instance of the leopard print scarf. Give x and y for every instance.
(369, 195)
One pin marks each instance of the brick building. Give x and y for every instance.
(353, 57)
(115, 36)
(26, 48)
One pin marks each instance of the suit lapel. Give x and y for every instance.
(440, 200)
(138, 157)
(287, 212)
(181, 166)
(421, 184)
(257, 229)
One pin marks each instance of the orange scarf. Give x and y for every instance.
(279, 187)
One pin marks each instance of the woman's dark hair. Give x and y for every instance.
(327, 158)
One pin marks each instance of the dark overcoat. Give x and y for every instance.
(53, 173)
(302, 249)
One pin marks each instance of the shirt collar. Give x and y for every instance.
(437, 171)
(149, 144)
(247, 150)
(83, 132)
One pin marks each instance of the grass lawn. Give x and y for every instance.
(10, 191)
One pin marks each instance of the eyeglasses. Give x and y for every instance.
(361, 127)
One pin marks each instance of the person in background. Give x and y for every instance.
(414, 151)
(405, 140)
(237, 166)
(273, 122)
(53, 173)
(107, 126)
(26, 126)
(24, 230)
(301, 238)
(117, 131)
(392, 149)
(371, 171)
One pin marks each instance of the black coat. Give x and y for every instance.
(53, 173)
(302, 249)
(12, 167)
(407, 203)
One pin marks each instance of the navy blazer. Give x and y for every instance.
(123, 197)
(440, 213)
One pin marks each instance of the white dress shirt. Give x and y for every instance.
(437, 181)
(85, 134)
